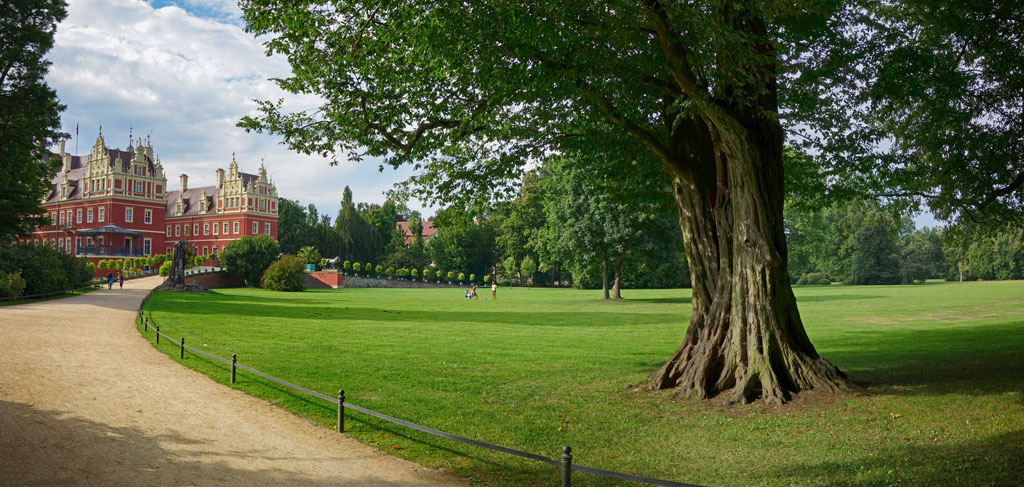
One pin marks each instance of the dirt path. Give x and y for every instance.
(84, 400)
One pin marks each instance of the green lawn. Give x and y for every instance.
(542, 368)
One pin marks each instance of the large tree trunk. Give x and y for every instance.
(745, 340)
(617, 287)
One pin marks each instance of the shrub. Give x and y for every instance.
(346, 265)
(439, 274)
(11, 284)
(813, 279)
(165, 268)
(250, 257)
(462, 276)
(426, 273)
(102, 264)
(286, 274)
(368, 267)
(451, 274)
(357, 267)
(414, 273)
(472, 278)
(390, 271)
(309, 254)
(403, 272)
(92, 270)
(378, 269)
(487, 279)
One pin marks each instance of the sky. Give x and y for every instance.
(184, 73)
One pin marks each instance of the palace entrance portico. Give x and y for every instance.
(110, 240)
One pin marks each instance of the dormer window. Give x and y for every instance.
(179, 208)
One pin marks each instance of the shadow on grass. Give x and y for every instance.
(978, 359)
(667, 300)
(995, 460)
(817, 298)
(43, 447)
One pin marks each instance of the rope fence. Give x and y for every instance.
(564, 462)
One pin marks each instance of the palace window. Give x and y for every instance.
(62, 218)
(138, 186)
(177, 230)
(129, 215)
(186, 229)
(206, 229)
(147, 245)
(78, 215)
(235, 227)
(255, 228)
(149, 216)
(206, 250)
(195, 229)
(215, 228)
(88, 215)
(168, 230)
(102, 214)
(225, 228)
(266, 228)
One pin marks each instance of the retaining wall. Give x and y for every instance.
(212, 280)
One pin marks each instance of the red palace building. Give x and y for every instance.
(115, 203)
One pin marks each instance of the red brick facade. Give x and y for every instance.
(128, 189)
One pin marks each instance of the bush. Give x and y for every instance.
(347, 265)
(414, 273)
(309, 254)
(451, 274)
(439, 274)
(286, 274)
(250, 257)
(813, 279)
(487, 279)
(462, 276)
(357, 267)
(378, 269)
(92, 270)
(368, 267)
(44, 268)
(11, 284)
(472, 278)
(165, 268)
(390, 271)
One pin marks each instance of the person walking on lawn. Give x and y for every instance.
(120, 279)
(494, 290)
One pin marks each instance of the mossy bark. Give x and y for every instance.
(745, 340)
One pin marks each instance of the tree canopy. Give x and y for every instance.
(29, 110)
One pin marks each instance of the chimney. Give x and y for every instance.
(61, 145)
(184, 182)
(220, 178)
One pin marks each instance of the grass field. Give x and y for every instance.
(942, 365)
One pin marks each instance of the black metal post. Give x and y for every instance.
(157, 334)
(234, 362)
(566, 466)
(181, 351)
(341, 410)
(146, 322)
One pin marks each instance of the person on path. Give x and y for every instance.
(494, 290)
(121, 280)
(110, 281)
(474, 296)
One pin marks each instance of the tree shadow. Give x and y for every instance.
(995, 460)
(982, 359)
(818, 298)
(40, 447)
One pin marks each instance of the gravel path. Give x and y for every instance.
(84, 400)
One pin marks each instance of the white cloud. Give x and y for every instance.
(187, 80)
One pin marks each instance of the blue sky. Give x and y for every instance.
(184, 73)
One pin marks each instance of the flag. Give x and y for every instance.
(76, 130)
